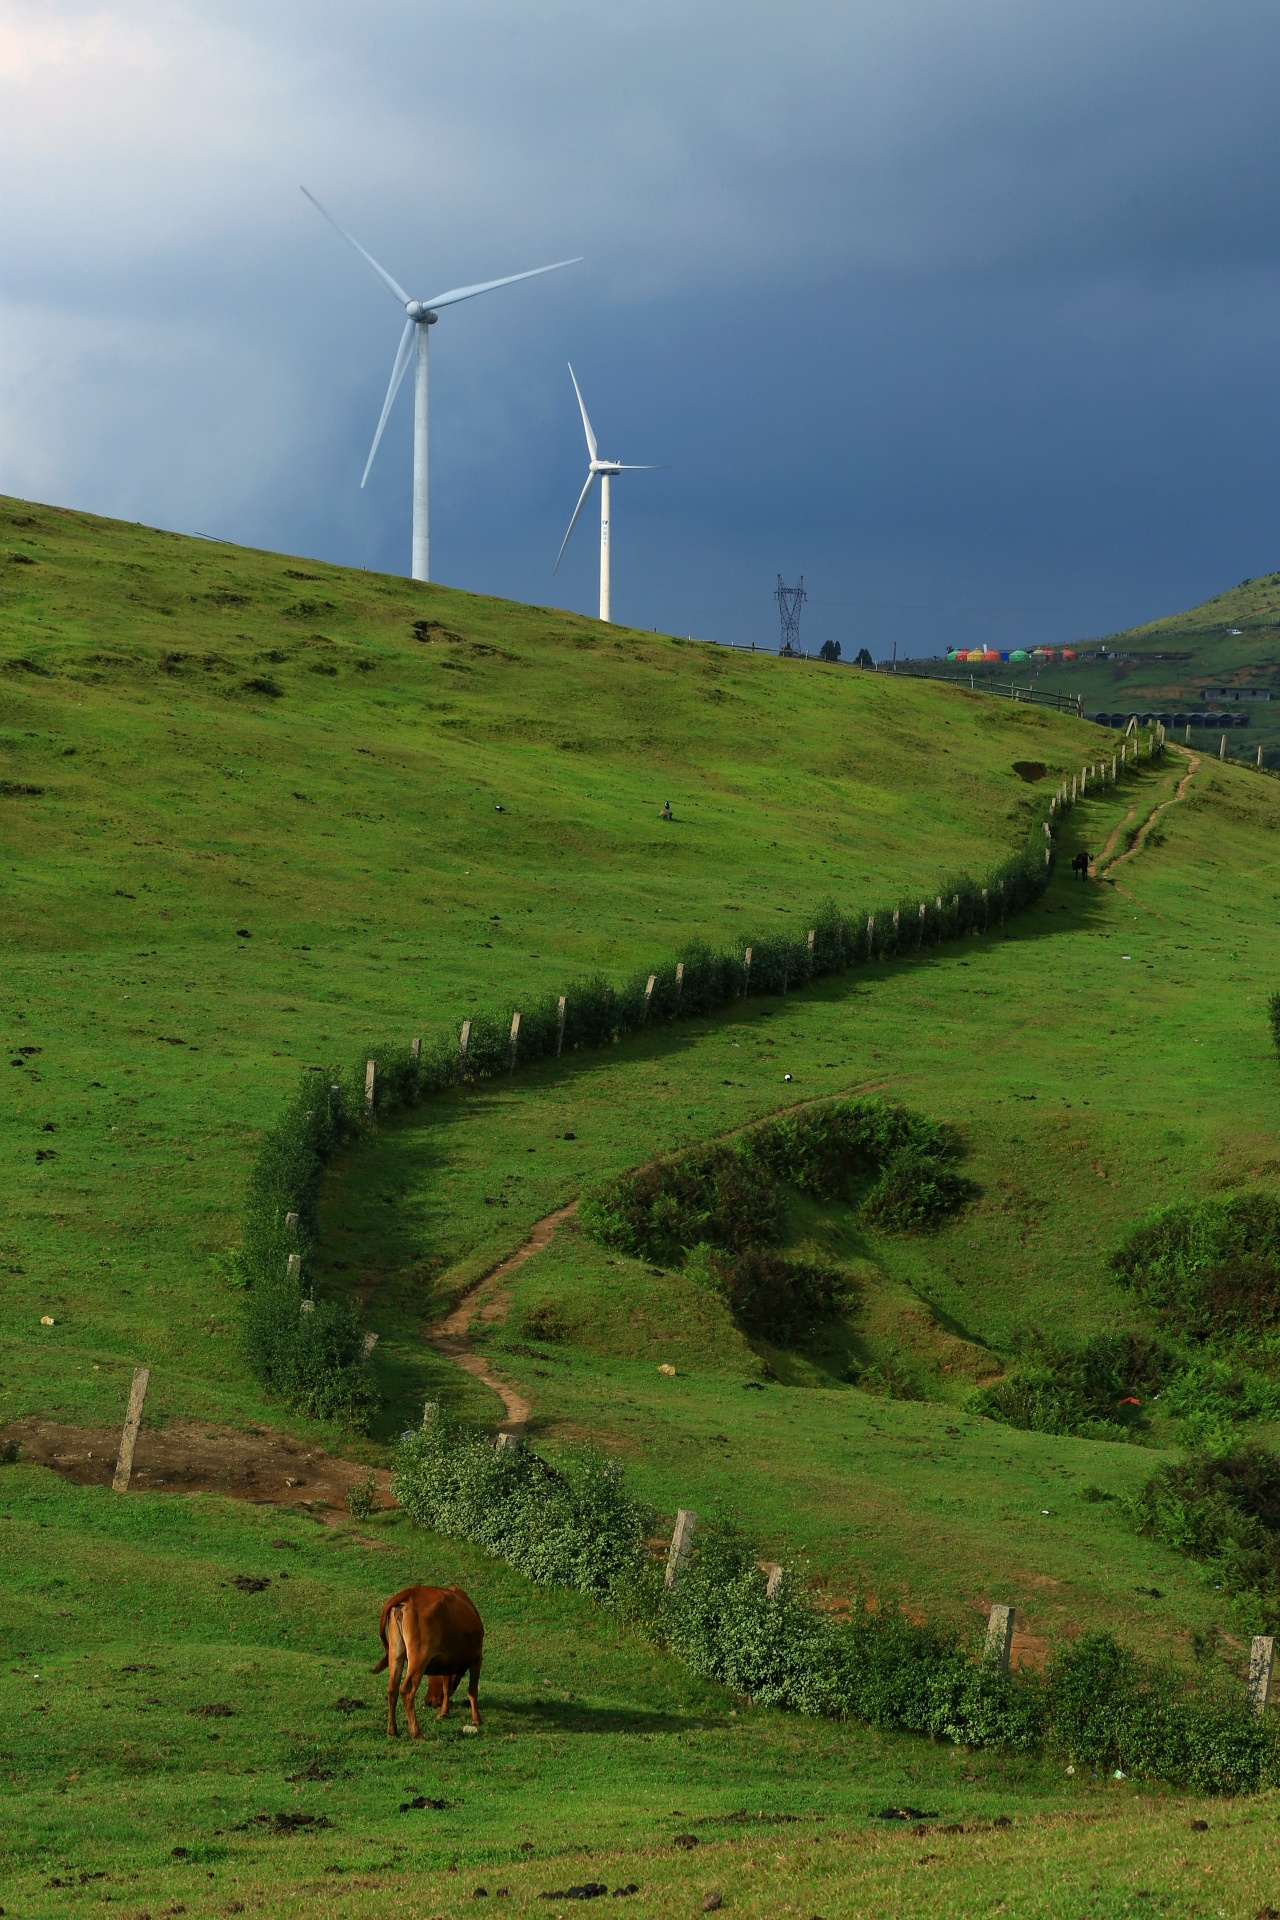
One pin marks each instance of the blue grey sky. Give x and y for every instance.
(964, 310)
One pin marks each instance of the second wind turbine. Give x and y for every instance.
(604, 470)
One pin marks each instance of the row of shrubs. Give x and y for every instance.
(720, 1209)
(312, 1359)
(578, 1525)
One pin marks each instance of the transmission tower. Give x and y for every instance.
(790, 600)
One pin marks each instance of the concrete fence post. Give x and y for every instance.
(291, 1223)
(514, 1042)
(1188, 733)
(464, 1041)
(746, 972)
(895, 927)
(415, 1049)
(648, 997)
(681, 1546)
(1261, 1658)
(1222, 748)
(813, 930)
(773, 1582)
(129, 1437)
(293, 1267)
(679, 980)
(507, 1443)
(561, 1007)
(871, 935)
(920, 926)
(367, 1345)
(995, 1651)
(370, 1072)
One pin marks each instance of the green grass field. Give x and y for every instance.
(1104, 1053)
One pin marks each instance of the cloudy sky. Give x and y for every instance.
(966, 310)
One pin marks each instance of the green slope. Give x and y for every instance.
(155, 801)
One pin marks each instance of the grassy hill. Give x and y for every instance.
(416, 802)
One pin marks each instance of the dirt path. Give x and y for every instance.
(1140, 836)
(450, 1337)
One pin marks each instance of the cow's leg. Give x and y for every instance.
(409, 1694)
(448, 1681)
(473, 1691)
(395, 1667)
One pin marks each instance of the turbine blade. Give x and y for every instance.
(582, 501)
(625, 466)
(452, 297)
(586, 424)
(403, 353)
(392, 286)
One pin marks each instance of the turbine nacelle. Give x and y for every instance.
(418, 310)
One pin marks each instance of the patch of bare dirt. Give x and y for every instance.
(184, 1456)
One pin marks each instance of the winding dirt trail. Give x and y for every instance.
(450, 1336)
(1104, 860)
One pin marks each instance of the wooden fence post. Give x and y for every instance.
(986, 910)
(1114, 771)
(746, 972)
(464, 1041)
(1222, 748)
(679, 980)
(871, 935)
(1188, 733)
(367, 1345)
(1073, 789)
(681, 1546)
(415, 1050)
(1261, 1656)
(293, 1267)
(561, 1005)
(291, 1223)
(995, 1651)
(129, 1438)
(514, 1042)
(773, 1582)
(920, 927)
(650, 984)
(813, 930)
(895, 927)
(369, 1072)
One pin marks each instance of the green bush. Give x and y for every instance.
(1081, 1390)
(730, 1197)
(711, 1196)
(1223, 1508)
(778, 1299)
(1273, 1015)
(1210, 1268)
(575, 1525)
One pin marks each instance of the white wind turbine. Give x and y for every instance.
(605, 469)
(422, 314)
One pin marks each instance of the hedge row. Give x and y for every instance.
(577, 1525)
(307, 1350)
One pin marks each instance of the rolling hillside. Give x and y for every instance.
(261, 814)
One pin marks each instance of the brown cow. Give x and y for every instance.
(434, 1631)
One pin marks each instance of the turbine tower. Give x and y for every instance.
(422, 314)
(605, 470)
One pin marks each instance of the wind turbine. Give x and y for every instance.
(605, 469)
(422, 314)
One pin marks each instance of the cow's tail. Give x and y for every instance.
(394, 1601)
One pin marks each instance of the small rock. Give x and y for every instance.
(46, 1319)
(668, 1370)
(711, 1901)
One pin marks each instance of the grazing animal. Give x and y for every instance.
(1080, 865)
(434, 1631)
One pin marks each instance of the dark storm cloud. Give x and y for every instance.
(965, 311)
